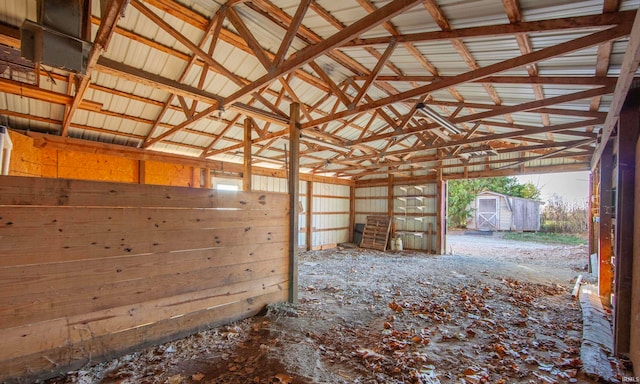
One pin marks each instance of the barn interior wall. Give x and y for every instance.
(30, 160)
(413, 206)
(329, 214)
(326, 220)
(91, 270)
(330, 211)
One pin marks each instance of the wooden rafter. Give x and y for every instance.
(113, 12)
(374, 73)
(534, 57)
(332, 85)
(497, 112)
(551, 80)
(246, 34)
(550, 154)
(291, 32)
(214, 30)
(515, 16)
(627, 73)
(310, 53)
(604, 54)
(568, 23)
(346, 113)
(293, 63)
(441, 19)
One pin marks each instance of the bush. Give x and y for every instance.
(561, 217)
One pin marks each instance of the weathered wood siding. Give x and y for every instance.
(526, 214)
(514, 213)
(505, 215)
(90, 270)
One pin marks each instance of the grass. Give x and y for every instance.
(546, 237)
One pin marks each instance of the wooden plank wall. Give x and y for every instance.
(90, 270)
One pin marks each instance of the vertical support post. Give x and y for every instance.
(429, 238)
(352, 211)
(195, 178)
(441, 215)
(605, 249)
(246, 175)
(294, 198)
(590, 224)
(309, 225)
(390, 196)
(207, 178)
(627, 138)
(142, 172)
(390, 205)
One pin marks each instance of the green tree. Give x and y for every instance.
(463, 192)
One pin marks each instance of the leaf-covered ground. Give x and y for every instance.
(491, 312)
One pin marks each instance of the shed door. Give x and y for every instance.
(487, 214)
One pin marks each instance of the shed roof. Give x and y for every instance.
(511, 86)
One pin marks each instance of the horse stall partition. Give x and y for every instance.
(92, 270)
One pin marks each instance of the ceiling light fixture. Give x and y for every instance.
(433, 115)
(324, 144)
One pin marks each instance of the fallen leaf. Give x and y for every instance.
(284, 378)
(197, 376)
(395, 307)
(175, 379)
(469, 371)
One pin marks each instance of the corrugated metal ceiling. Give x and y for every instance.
(146, 63)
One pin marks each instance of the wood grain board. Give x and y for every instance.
(597, 337)
(94, 269)
(376, 233)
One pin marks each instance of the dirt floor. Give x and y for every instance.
(490, 311)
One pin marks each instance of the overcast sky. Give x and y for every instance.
(573, 187)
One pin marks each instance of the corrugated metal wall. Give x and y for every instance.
(370, 201)
(330, 214)
(329, 211)
(414, 210)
